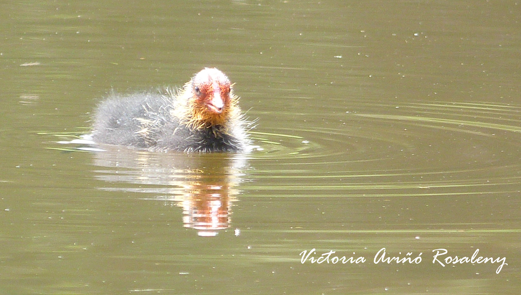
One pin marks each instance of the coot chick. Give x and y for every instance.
(203, 116)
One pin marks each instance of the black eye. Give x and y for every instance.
(197, 90)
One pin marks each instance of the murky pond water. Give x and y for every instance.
(381, 124)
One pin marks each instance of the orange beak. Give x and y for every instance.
(216, 104)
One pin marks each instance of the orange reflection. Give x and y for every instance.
(204, 185)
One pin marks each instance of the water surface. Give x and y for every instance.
(381, 124)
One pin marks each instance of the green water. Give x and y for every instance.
(381, 124)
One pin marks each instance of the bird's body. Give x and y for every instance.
(203, 116)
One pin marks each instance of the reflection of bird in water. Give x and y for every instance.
(203, 116)
(206, 206)
(204, 185)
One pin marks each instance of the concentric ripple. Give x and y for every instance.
(384, 150)
(415, 149)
